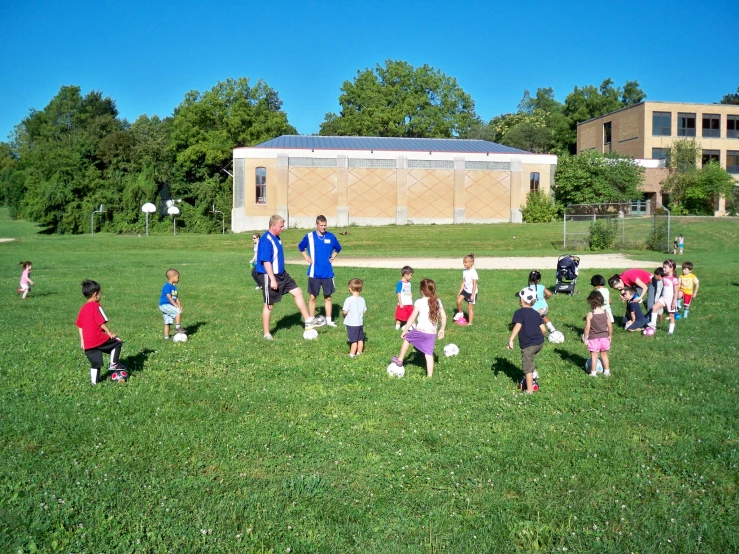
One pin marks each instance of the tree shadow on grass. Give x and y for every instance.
(287, 321)
(504, 365)
(195, 327)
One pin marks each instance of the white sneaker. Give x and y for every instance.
(269, 336)
(330, 323)
(257, 288)
(606, 373)
(593, 374)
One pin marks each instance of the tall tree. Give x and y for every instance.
(595, 178)
(731, 98)
(399, 100)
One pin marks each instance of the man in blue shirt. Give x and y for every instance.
(322, 247)
(275, 281)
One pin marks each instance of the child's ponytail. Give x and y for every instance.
(534, 278)
(428, 289)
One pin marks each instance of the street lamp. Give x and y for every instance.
(223, 220)
(148, 208)
(92, 218)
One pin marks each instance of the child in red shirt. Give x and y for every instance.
(95, 337)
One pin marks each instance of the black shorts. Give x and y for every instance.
(355, 334)
(468, 297)
(285, 284)
(315, 285)
(111, 346)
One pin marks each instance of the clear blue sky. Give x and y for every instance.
(147, 55)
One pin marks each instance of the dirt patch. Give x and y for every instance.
(587, 261)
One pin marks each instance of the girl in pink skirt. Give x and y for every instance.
(427, 311)
(598, 332)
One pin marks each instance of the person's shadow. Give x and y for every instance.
(578, 359)
(195, 327)
(287, 321)
(504, 365)
(133, 364)
(417, 358)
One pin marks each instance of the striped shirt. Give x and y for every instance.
(270, 250)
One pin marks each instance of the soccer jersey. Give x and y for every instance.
(687, 283)
(406, 295)
(469, 275)
(168, 289)
(270, 250)
(320, 248)
(90, 318)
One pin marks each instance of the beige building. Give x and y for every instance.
(646, 130)
(381, 181)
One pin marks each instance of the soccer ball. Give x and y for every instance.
(394, 370)
(556, 337)
(678, 316)
(179, 337)
(310, 334)
(649, 332)
(598, 366)
(451, 350)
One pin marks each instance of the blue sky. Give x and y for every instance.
(147, 55)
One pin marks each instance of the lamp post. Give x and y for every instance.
(148, 208)
(100, 210)
(223, 219)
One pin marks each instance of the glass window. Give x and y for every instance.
(661, 124)
(709, 156)
(659, 153)
(261, 178)
(711, 125)
(686, 124)
(732, 161)
(732, 126)
(534, 182)
(607, 133)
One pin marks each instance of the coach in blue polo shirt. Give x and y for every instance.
(275, 281)
(322, 248)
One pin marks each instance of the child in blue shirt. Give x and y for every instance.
(169, 303)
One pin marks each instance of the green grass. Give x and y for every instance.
(231, 444)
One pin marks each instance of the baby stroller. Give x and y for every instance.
(567, 270)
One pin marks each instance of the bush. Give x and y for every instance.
(602, 234)
(657, 240)
(539, 208)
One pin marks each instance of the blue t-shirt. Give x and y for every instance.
(530, 333)
(635, 308)
(541, 302)
(270, 250)
(320, 248)
(170, 289)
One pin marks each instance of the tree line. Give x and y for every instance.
(77, 153)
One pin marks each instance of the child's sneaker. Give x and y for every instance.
(593, 374)
(117, 366)
(330, 323)
(397, 361)
(119, 376)
(269, 336)
(458, 315)
(606, 373)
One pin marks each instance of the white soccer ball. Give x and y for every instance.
(310, 334)
(394, 370)
(556, 337)
(598, 366)
(179, 337)
(451, 350)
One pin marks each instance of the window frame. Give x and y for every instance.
(685, 118)
(260, 178)
(534, 181)
(734, 121)
(607, 132)
(713, 132)
(733, 169)
(710, 154)
(658, 123)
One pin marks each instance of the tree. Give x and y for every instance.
(693, 190)
(399, 100)
(595, 178)
(731, 98)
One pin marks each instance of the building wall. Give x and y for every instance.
(409, 187)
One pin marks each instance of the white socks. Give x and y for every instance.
(550, 327)
(94, 375)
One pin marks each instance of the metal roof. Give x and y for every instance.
(395, 144)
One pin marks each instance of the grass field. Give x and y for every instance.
(231, 444)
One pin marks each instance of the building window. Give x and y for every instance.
(659, 153)
(709, 156)
(732, 126)
(711, 125)
(607, 133)
(661, 124)
(261, 178)
(534, 182)
(732, 161)
(686, 124)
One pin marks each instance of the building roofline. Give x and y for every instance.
(651, 102)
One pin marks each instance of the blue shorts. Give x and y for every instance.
(355, 334)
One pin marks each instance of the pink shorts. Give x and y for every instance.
(599, 345)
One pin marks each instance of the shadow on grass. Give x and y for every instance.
(134, 364)
(577, 359)
(417, 358)
(504, 365)
(40, 294)
(287, 321)
(195, 327)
